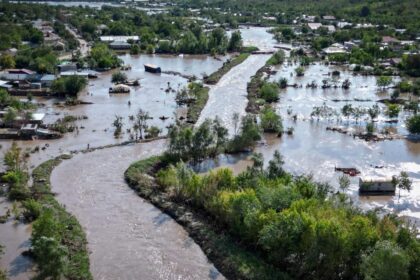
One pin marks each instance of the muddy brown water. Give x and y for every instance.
(128, 237)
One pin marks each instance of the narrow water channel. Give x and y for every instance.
(128, 237)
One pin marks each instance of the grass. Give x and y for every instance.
(231, 258)
(216, 76)
(72, 235)
(194, 109)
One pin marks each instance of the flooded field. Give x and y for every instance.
(128, 237)
(151, 96)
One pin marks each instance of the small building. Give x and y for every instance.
(335, 48)
(47, 80)
(110, 39)
(119, 88)
(388, 40)
(331, 28)
(67, 66)
(314, 25)
(376, 185)
(5, 85)
(328, 17)
(119, 45)
(20, 71)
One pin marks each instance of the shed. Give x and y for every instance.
(376, 185)
(119, 45)
(47, 80)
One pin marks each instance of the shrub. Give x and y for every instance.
(413, 124)
(271, 121)
(269, 92)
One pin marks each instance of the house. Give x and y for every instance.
(376, 185)
(5, 85)
(119, 45)
(67, 66)
(47, 80)
(328, 17)
(309, 18)
(331, 28)
(110, 39)
(335, 48)
(20, 71)
(350, 45)
(343, 24)
(388, 40)
(314, 25)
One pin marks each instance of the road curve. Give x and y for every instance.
(128, 237)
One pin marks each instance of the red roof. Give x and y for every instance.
(20, 71)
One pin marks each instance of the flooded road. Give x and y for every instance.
(128, 237)
(229, 95)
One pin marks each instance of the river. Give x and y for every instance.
(127, 236)
(229, 95)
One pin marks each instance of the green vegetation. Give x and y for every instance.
(216, 76)
(198, 94)
(269, 92)
(101, 57)
(249, 134)
(118, 77)
(413, 124)
(277, 58)
(59, 243)
(69, 85)
(296, 226)
(16, 175)
(271, 121)
(207, 140)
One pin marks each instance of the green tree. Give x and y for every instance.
(413, 124)
(393, 110)
(269, 92)
(7, 61)
(235, 41)
(386, 261)
(271, 121)
(383, 81)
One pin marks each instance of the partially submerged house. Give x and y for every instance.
(376, 185)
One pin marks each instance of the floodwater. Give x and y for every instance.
(151, 96)
(128, 237)
(229, 95)
(97, 130)
(15, 239)
(314, 150)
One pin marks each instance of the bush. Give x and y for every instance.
(277, 58)
(269, 92)
(32, 208)
(119, 77)
(271, 121)
(413, 124)
(70, 85)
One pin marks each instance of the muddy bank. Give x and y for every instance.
(145, 243)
